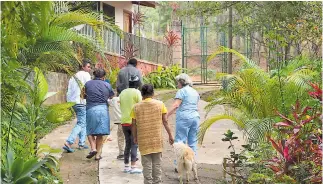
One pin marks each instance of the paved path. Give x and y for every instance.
(209, 158)
(110, 169)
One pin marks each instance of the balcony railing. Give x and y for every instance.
(149, 50)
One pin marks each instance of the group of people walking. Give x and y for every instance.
(139, 117)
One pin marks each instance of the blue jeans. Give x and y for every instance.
(79, 129)
(186, 132)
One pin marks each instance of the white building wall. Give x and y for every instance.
(120, 6)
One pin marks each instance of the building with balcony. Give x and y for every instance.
(149, 53)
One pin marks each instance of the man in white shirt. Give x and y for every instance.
(115, 112)
(75, 86)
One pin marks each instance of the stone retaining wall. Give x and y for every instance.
(58, 82)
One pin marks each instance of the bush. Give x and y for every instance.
(163, 77)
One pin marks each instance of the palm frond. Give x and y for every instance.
(61, 34)
(79, 17)
(257, 129)
(210, 121)
(246, 63)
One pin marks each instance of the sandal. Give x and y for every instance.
(91, 154)
(83, 147)
(98, 158)
(68, 149)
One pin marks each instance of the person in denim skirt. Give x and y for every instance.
(97, 93)
(75, 85)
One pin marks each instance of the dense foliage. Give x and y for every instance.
(38, 37)
(253, 95)
(281, 108)
(163, 77)
(281, 25)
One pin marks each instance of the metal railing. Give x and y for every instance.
(149, 50)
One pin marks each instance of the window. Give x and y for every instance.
(109, 11)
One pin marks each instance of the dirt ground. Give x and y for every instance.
(76, 169)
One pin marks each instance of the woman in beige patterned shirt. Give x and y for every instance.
(148, 116)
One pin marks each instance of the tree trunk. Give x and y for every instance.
(230, 42)
(287, 52)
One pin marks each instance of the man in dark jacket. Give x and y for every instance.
(126, 73)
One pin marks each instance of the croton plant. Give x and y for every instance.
(299, 141)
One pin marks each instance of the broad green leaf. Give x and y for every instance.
(50, 94)
(3, 172)
(59, 112)
(44, 146)
(10, 159)
(26, 180)
(30, 166)
(17, 168)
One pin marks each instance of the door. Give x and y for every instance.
(127, 22)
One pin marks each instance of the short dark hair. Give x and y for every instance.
(85, 61)
(134, 84)
(99, 73)
(147, 90)
(132, 62)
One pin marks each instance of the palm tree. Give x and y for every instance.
(253, 97)
(33, 34)
(46, 39)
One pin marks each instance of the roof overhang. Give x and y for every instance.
(151, 4)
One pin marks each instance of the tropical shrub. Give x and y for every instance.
(163, 77)
(29, 115)
(20, 130)
(15, 170)
(299, 145)
(251, 96)
(112, 75)
(293, 154)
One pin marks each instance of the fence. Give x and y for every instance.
(149, 50)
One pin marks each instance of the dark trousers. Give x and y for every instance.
(131, 147)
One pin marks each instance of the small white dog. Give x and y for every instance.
(185, 161)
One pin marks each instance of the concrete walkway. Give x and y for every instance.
(210, 153)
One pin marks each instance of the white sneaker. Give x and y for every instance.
(135, 170)
(126, 169)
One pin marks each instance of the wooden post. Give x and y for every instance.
(233, 178)
(225, 166)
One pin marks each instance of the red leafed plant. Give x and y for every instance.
(129, 50)
(171, 38)
(301, 141)
(317, 93)
(138, 18)
(174, 6)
